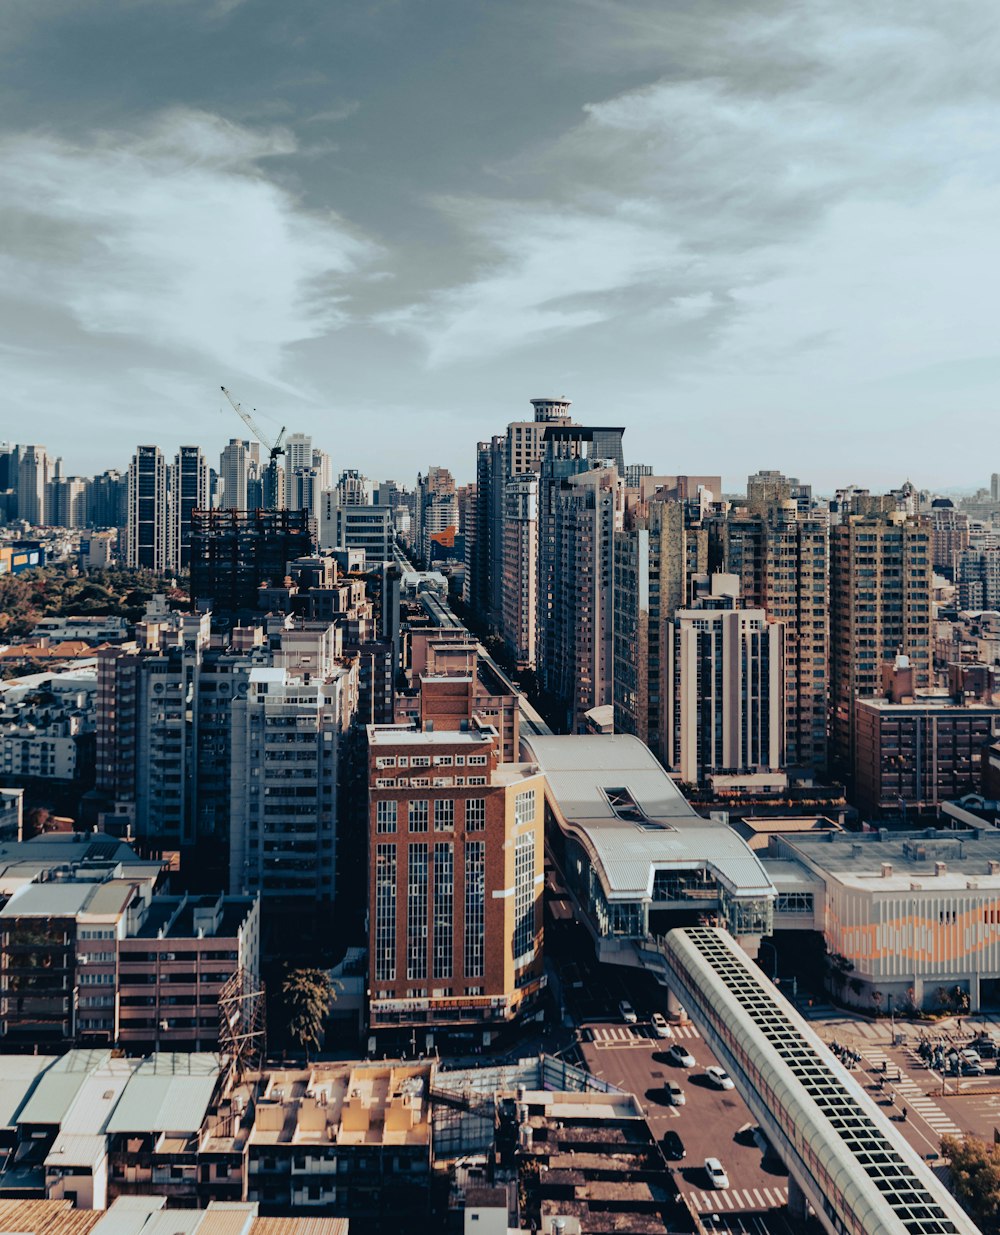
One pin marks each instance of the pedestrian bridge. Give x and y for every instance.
(852, 1165)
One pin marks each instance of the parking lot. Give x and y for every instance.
(711, 1123)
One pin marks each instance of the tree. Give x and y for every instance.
(308, 994)
(975, 1177)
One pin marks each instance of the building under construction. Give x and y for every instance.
(234, 552)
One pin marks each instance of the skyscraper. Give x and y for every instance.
(298, 451)
(188, 493)
(239, 467)
(580, 509)
(723, 710)
(880, 606)
(780, 554)
(520, 568)
(33, 475)
(661, 547)
(66, 502)
(147, 510)
(233, 552)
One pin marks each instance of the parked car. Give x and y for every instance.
(719, 1077)
(972, 1067)
(674, 1094)
(627, 1012)
(717, 1177)
(680, 1056)
(659, 1026)
(673, 1147)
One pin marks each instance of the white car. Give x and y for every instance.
(719, 1077)
(680, 1056)
(659, 1026)
(717, 1177)
(627, 1012)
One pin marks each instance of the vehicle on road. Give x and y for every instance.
(659, 1026)
(972, 1067)
(673, 1147)
(627, 1012)
(719, 1077)
(717, 1177)
(680, 1056)
(674, 1094)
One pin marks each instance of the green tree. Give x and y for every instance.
(308, 994)
(975, 1177)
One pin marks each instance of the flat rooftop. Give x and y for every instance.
(927, 860)
(391, 735)
(616, 798)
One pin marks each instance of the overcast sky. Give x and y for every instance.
(756, 234)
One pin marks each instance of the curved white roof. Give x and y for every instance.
(580, 769)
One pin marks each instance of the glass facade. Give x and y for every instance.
(475, 909)
(385, 913)
(444, 905)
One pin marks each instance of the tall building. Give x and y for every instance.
(881, 576)
(107, 500)
(437, 507)
(781, 556)
(724, 707)
(995, 487)
(353, 526)
(188, 493)
(66, 502)
(579, 513)
(770, 488)
(33, 475)
(455, 881)
(951, 537)
(298, 451)
(661, 548)
(234, 552)
(147, 510)
(978, 579)
(286, 748)
(239, 468)
(354, 489)
(304, 490)
(520, 568)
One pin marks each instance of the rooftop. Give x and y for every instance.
(350, 1104)
(611, 792)
(929, 860)
(169, 1092)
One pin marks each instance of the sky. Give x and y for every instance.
(756, 234)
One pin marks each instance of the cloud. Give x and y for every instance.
(711, 191)
(176, 237)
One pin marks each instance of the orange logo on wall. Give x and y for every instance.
(446, 538)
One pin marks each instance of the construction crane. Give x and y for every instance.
(277, 448)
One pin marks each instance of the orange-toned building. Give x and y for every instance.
(456, 872)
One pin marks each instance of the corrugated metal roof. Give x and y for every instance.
(173, 1222)
(228, 1219)
(48, 900)
(46, 1218)
(169, 1092)
(98, 1096)
(128, 1214)
(580, 770)
(77, 1149)
(57, 1088)
(18, 1077)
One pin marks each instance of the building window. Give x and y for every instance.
(420, 761)
(794, 902)
(475, 909)
(477, 761)
(444, 901)
(524, 897)
(385, 816)
(416, 913)
(475, 815)
(417, 811)
(444, 815)
(385, 913)
(524, 807)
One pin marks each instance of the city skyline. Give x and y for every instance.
(710, 226)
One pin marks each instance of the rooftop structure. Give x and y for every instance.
(632, 850)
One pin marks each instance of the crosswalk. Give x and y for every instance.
(912, 1096)
(637, 1035)
(742, 1199)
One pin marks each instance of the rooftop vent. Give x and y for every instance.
(886, 869)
